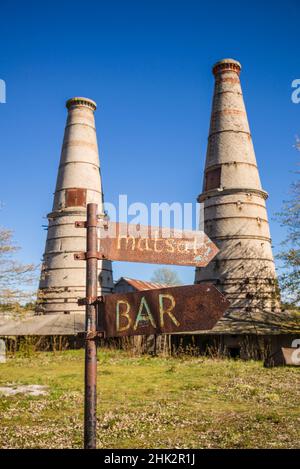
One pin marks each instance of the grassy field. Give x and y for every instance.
(146, 402)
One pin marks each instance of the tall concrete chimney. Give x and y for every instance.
(235, 215)
(78, 183)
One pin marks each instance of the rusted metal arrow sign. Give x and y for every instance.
(153, 245)
(161, 311)
(175, 309)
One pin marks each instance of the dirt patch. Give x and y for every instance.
(30, 389)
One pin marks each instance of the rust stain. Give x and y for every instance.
(212, 179)
(226, 68)
(228, 112)
(223, 79)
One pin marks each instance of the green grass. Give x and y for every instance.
(146, 402)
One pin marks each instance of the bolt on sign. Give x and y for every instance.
(153, 245)
(161, 311)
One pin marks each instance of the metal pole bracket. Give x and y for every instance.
(92, 300)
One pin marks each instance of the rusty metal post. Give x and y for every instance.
(90, 381)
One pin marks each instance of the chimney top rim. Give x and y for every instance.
(226, 64)
(81, 101)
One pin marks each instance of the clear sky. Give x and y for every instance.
(147, 64)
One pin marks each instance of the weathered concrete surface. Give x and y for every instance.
(78, 183)
(235, 215)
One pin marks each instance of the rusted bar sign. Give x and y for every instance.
(154, 245)
(165, 310)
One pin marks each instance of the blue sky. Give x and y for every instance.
(148, 66)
